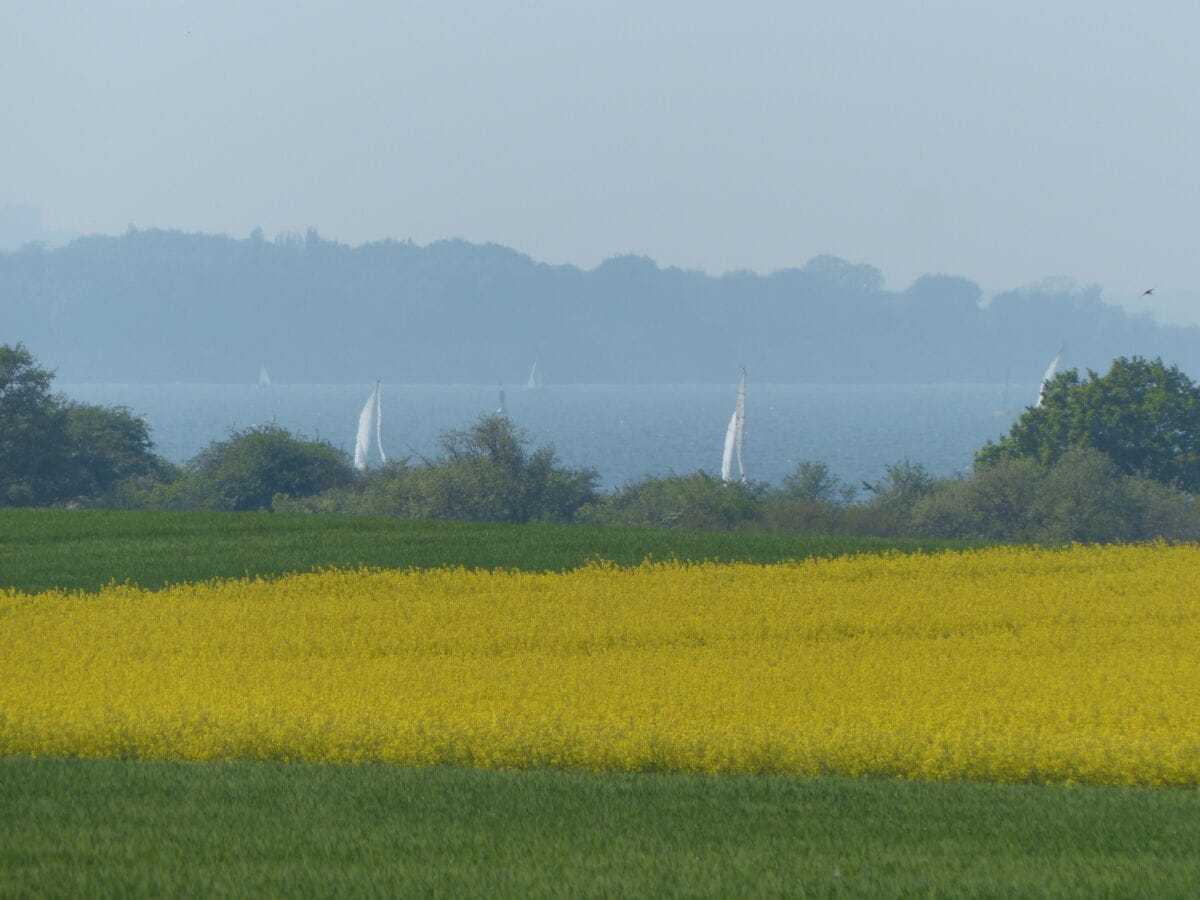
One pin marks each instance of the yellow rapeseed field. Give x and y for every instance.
(999, 664)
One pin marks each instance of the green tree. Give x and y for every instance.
(1159, 511)
(109, 448)
(55, 451)
(34, 447)
(247, 471)
(813, 482)
(997, 502)
(897, 493)
(811, 499)
(1143, 415)
(486, 474)
(1083, 498)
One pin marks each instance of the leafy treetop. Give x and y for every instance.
(1142, 414)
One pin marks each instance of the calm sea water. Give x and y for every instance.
(625, 432)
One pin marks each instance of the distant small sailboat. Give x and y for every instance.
(1050, 370)
(735, 437)
(535, 377)
(502, 410)
(371, 418)
(1004, 410)
(264, 380)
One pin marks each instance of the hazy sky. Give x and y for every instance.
(1004, 141)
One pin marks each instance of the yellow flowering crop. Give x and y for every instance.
(1000, 664)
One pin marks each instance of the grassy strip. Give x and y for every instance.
(122, 828)
(86, 549)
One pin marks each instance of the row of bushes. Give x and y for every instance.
(487, 473)
(1080, 497)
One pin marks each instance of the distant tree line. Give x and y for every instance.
(168, 306)
(1104, 457)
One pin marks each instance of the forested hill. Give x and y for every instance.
(168, 306)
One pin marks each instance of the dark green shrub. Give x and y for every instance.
(996, 503)
(903, 485)
(249, 469)
(813, 482)
(696, 501)
(485, 474)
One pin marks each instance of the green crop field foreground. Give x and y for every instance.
(123, 827)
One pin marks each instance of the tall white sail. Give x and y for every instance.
(1050, 370)
(741, 426)
(535, 377)
(379, 424)
(264, 379)
(365, 420)
(735, 437)
(730, 443)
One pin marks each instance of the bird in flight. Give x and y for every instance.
(1147, 292)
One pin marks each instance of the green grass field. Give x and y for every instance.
(120, 828)
(86, 549)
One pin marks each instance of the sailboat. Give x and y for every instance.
(502, 410)
(371, 415)
(535, 377)
(1004, 410)
(264, 380)
(1050, 370)
(735, 437)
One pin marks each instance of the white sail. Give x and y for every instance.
(379, 424)
(730, 443)
(264, 379)
(535, 377)
(1050, 370)
(365, 420)
(502, 410)
(370, 419)
(735, 437)
(740, 429)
